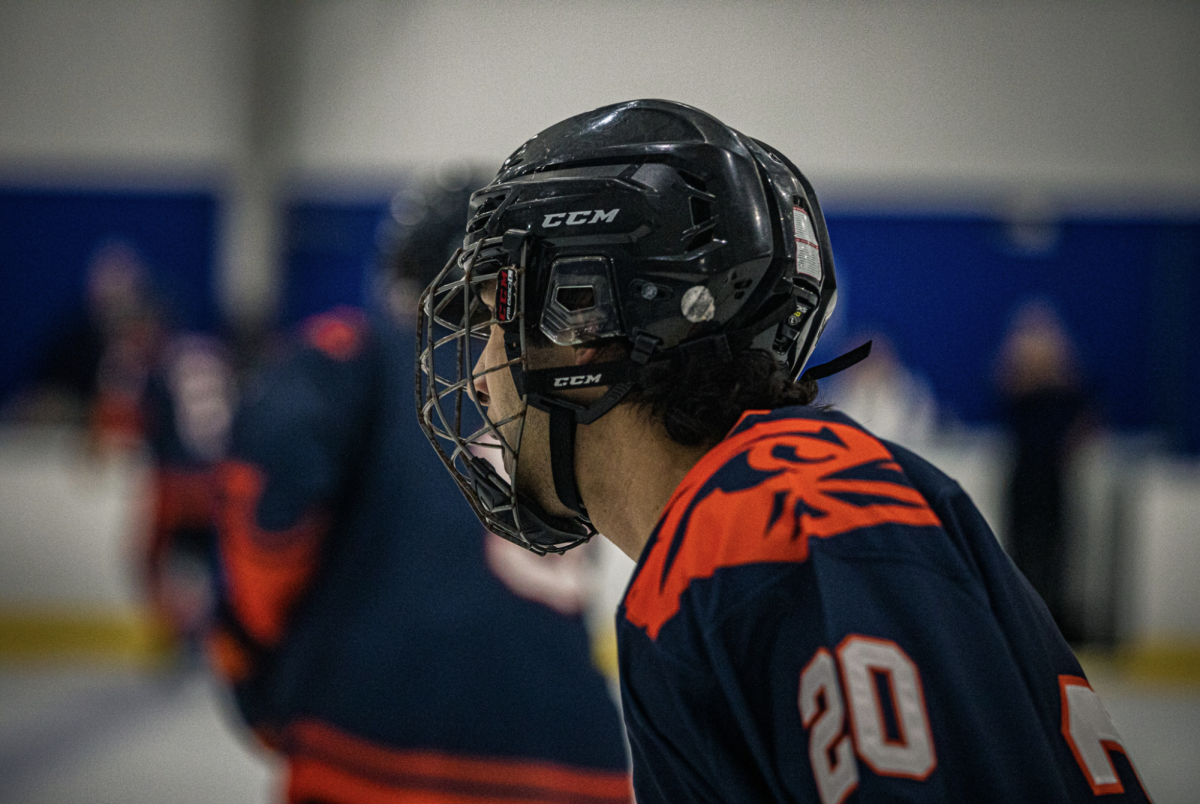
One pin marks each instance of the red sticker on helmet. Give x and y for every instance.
(506, 295)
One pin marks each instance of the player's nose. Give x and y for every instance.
(479, 381)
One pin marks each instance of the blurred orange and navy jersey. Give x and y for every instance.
(363, 630)
(821, 616)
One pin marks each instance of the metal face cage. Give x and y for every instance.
(482, 453)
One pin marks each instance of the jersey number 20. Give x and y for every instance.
(889, 727)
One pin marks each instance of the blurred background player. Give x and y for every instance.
(887, 397)
(372, 632)
(187, 410)
(95, 371)
(1047, 412)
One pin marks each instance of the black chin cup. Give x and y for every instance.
(544, 532)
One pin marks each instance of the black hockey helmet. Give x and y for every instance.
(650, 221)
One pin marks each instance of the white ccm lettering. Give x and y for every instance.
(579, 217)
(578, 379)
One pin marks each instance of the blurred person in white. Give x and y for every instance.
(886, 397)
(187, 410)
(1048, 414)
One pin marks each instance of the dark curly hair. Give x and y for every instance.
(699, 402)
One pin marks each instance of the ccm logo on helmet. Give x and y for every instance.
(578, 379)
(579, 217)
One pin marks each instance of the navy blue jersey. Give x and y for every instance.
(821, 616)
(365, 633)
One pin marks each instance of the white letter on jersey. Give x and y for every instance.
(835, 778)
(911, 755)
(1091, 734)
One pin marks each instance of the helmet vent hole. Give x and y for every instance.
(701, 211)
(741, 287)
(517, 158)
(576, 298)
(484, 213)
(693, 181)
(700, 239)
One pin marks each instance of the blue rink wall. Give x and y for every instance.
(48, 238)
(941, 287)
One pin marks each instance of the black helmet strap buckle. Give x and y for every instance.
(840, 363)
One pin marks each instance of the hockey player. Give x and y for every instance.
(816, 615)
(370, 632)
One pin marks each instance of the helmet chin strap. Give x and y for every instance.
(539, 386)
(564, 419)
(562, 458)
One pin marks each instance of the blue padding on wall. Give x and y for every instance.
(330, 256)
(48, 237)
(943, 289)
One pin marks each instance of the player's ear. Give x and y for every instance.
(585, 355)
(600, 354)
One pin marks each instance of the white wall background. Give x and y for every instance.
(1072, 104)
(120, 86)
(73, 524)
(1066, 95)
(1070, 95)
(1164, 588)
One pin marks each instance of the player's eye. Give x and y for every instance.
(481, 316)
(487, 292)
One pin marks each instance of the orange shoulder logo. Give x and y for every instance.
(339, 334)
(759, 496)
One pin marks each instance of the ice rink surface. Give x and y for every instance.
(88, 736)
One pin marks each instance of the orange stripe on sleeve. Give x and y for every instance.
(340, 767)
(266, 571)
(227, 657)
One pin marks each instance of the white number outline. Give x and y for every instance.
(860, 655)
(827, 727)
(824, 673)
(1084, 717)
